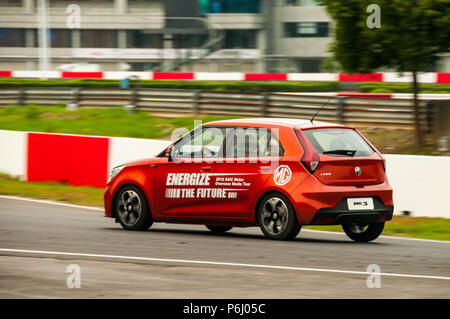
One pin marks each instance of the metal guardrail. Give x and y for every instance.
(362, 111)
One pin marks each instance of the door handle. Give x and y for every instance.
(205, 168)
(264, 169)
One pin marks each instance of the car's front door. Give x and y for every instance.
(184, 181)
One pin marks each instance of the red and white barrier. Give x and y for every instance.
(124, 149)
(73, 159)
(420, 183)
(404, 96)
(76, 160)
(13, 153)
(390, 77)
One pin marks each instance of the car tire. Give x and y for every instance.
(276, 217)
(218, 229)
(363, 233)
(132, 209)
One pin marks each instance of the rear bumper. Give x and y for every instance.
(313, 200)
(340, 214)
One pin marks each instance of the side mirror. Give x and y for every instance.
(168, 152)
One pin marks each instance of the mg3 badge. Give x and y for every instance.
(357, 170)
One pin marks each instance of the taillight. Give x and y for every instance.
(384, 163)
(311, 163)
(310, 158)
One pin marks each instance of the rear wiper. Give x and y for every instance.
(341, 152)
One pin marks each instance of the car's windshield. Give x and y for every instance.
(338, 142)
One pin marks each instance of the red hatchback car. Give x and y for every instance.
(278, 174)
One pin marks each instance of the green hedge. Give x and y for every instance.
(368, 87)
(377, 87)
(193, 85)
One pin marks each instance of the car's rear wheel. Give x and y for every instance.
(363, 232)
(276, 217)
(218, 229)
(132, 209)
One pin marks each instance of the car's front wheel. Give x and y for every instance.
(276, 217)
(132, 209)
(363, 232)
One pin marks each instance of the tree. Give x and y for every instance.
(410, 36)
(330, 65)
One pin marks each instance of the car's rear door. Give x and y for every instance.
(345, 157)
(250, 157)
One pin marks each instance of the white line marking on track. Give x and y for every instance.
(50, 202)
(216, 263)
(382, 236)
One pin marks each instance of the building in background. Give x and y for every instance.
(170, 35)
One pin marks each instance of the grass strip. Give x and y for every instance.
(381, 87)
(407, 226)
(116, 121)
(79, 195)
(103, 122)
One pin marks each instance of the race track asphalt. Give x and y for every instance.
(38, 241)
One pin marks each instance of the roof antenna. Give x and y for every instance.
(314, 116)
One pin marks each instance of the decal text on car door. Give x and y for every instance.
(184, 179)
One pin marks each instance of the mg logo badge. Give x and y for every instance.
(282, 175)
(357, 170)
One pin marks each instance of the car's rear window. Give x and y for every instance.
(338, 142)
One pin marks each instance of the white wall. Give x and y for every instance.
(421, 184)
(13, 153)
(123, 149)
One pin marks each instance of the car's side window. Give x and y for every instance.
(254, 142)
(205, 142)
